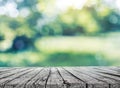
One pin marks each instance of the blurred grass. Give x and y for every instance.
(68, 51)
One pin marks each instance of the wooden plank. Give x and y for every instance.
(54, 80)
(23, 79)
(90, 81)
(115, 68)
(108, 70)
(9, 77)
(31, 83)
(11, 73)
(6, 69)
(69, 81)
(106, 79)
(43, 78)
(110, 75)
(107, 74)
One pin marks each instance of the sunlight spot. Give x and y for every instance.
(11, 9)
(117, 2)
(113, 3)
(25, 11)
(65, 4)
(2, 10)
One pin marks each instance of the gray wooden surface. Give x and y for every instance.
(60, 77)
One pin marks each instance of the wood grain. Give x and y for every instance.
(60, 77)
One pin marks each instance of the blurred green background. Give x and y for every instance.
(59, 33)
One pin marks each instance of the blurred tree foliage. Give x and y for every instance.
(93, 19)
(32, 19)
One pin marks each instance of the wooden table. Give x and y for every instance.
(60, 77)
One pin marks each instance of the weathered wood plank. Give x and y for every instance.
(107, 74)
(31, 83)
(6, 69)
(70, 81)
(90, 81)
(43, 78)
(60, 77)
(7, 74)
(5, 78)
(107, 79)
(54, 80)
(23, 79)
